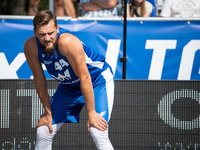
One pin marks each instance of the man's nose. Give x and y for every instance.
(47, 37)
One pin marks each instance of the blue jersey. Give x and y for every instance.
(59, 68)
(68, 100)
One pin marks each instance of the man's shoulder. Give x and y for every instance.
(30, 44)
(31, 40)
(64, 34)
(66, 37)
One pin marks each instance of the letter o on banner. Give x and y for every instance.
(164, 109)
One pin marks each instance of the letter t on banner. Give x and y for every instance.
(159, 50)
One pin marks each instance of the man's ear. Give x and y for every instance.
(34, 31)
(57, 28)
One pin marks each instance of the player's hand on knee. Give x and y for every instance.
(45, 120)
(97, 121)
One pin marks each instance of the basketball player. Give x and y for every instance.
(85, 80)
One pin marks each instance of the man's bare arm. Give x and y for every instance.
(72, 48)
(31, 53)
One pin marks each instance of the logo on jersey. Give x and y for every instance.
(47, 62)
(103, 113)
(60, 64)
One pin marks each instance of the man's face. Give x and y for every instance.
(139, 1)
(47, 36)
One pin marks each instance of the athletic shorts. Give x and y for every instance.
(66, 103)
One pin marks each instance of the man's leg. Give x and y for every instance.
(104, 98)
(44, 137)
(101, 139)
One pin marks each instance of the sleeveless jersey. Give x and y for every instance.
(59, 68)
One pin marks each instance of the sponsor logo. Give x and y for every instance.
(103, 113)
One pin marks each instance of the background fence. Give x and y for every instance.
(146, 115)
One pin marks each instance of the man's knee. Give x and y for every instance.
(98, 133)
(101, 139)
(44, 135)
(45, 138)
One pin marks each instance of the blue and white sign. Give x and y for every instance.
(156, 50)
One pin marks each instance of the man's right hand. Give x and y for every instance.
(45, 119)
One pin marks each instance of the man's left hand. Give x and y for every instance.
(96, 120)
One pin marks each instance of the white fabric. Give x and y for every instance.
(181, 8)
(101, 139)
(100, 13)
(110, 92)
(45, 138)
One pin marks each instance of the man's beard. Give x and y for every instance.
(49, 50)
